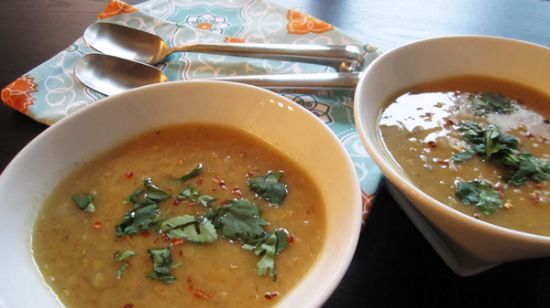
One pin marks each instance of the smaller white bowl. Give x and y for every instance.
(34, 172)
(466, 244)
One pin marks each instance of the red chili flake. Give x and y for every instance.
(249, 174)
(432, 144)
(499, 187)
(176, 202)
(443, 163)
(270, 295)
(177, 241)
(220, 182)
(535, 196)
(199, 180)
(128, 306)
(539, 185)
(449, 122)
(200, 294)
(98, 225)
(165, 237)
(189, 283)
(129, 174)
(145, 233)
(291, 239)
(236, 192)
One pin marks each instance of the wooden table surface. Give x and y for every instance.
(393, 264)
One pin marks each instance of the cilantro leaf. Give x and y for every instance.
(162, 264)
(152, 192)
(122, 256)
(480, 194)
(196, 230)
(462, 156)
(491, 103)
(193, 173)
(84, 202)
(268, 247)
(241, 220)
(138, 219)
(134, 196)
(268, 187)
(501, 149)
(192, 194)
(529, 167)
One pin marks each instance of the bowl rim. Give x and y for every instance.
(400, 180)
(343, 264)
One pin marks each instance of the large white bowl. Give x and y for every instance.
(466, 244)
(45, 161)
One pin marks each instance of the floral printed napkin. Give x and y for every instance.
(50, 91)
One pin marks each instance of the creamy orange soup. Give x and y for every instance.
(74, 249)
(424, 127)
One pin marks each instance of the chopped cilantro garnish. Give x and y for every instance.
(192, 194)
(481, 194)
(489, 143)
(491, 103)
(191, 228)
(268, 247)
(138, 219)
(134, 196)
(193, 173)
(241, 220)
(162, 264)
(269, 188)
(152, 192)
(85, 202)
(122, 256)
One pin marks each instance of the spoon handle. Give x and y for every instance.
(344, 58)
(299, 81)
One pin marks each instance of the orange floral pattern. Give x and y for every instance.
(366, 202)
(300, 23)
(18, 93)
(231, 39)
(116, 7)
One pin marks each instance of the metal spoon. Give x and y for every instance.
(137, 45)
(111, 75)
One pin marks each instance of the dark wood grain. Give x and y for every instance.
(393, 265)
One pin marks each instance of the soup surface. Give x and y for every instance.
(74, 247)
(464, 141)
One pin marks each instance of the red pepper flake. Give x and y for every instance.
(189, 282)
(449, 122)
(199, 180)
(499, 187)
(129, 174)
(291, 239)
(535, 196)
(270, 295)
(539, 185)
(176, 202)
(177, 241)
(165, 237)
(145, 233)
(201, 294)
(443, 163)
(220, 182)
(128, 306)
(431, 144)
(249, 174)
(97, 225)
(237, 193)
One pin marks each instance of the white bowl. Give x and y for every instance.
(466, 244)
(45, 161)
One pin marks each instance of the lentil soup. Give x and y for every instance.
(92, 259)
(478, 145)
